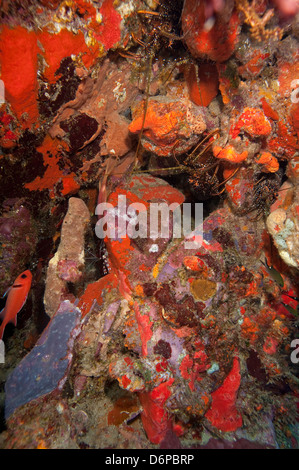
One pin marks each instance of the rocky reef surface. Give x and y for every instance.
(150, 325)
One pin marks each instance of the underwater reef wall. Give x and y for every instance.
(139, 332)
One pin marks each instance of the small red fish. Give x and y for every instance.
(16, 297)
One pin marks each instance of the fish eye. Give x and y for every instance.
(23, 276)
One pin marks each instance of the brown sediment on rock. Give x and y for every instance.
(203, 289)
(104, 99)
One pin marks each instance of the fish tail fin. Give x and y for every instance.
(6, 292)
(3, 324)
(2, 327)
(2, 314)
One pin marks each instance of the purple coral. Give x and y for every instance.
(45, 368)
